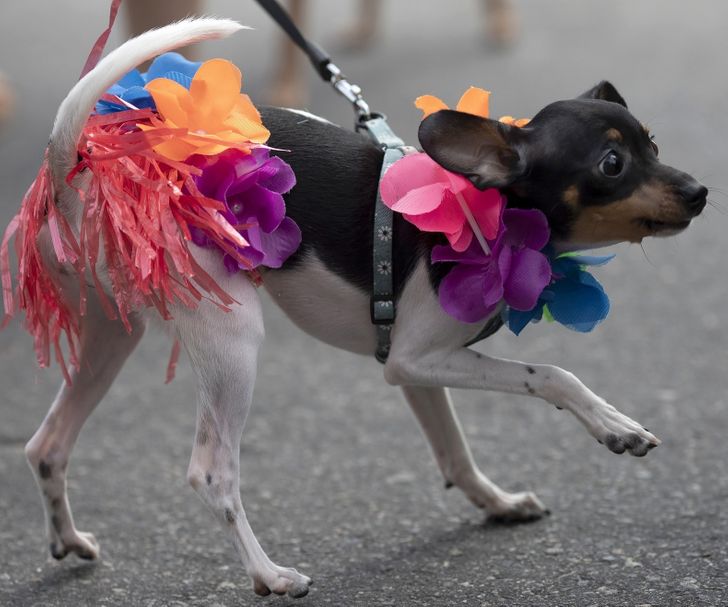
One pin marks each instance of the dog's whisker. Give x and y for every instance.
(718, 207)
(647, 257)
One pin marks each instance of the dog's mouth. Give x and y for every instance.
(663, 228)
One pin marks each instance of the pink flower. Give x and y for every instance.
(432, 199)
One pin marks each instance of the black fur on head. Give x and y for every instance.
(587, 163)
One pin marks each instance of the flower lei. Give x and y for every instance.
(171, 157)
(205, 98)
(502, 257)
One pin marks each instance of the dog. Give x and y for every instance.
(586, 163)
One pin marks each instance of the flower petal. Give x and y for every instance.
(216, 178)
(487, 207)
(244, 106)
(262, 206)
(429, 104)
(420, 200)
(215, 90)
(448, 217)
(530, 273)
(173, 63)
(132, 78)
(461, 240)
(475, 101)
(171, 100)
(176, 149)
(526, 227)
(517, 320)
(277, 246)
(245, 127)
(409, 173)
(579, 304)
(281, 177)
(585, 260)
(467, 293)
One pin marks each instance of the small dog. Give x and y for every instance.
(586, 163)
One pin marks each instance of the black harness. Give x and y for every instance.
(374, 125)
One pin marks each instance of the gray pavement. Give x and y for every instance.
(336, 478)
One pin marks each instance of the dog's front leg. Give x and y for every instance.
(434, 411)
(223, 348)
(464, 368)
(426, 351)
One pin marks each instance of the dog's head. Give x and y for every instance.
(587, 163)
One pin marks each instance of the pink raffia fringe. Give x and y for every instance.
(138, 208)
(46, 313)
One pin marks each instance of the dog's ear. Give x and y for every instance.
(482, 150)
(606, 92)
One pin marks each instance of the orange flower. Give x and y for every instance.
(474, 101)
(214, 113)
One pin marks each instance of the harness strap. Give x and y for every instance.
(383, 308)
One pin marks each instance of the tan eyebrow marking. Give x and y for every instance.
(571, 196)
(614, 135)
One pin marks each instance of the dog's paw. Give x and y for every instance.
(280, 580)
(84, 545)
(516, 508)
(619, 433)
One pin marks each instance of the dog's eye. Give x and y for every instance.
(611, 165)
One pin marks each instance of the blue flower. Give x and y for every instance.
(130, 88)
(574, 298)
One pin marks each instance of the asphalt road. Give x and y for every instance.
(337, 479)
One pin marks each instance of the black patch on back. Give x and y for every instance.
(337, 175)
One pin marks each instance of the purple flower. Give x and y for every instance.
(251, 186)
(515, 272)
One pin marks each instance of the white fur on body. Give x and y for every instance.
(427, 356)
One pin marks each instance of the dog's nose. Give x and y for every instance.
(695, 196)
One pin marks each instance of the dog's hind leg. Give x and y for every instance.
(434, 411)
(104, 346)
(223, 348)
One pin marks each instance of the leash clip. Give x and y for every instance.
(352, 92)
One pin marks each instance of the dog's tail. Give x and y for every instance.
(76, 107)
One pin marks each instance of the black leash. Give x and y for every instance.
(319, 58)
(383, 310)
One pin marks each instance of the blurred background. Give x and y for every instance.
(337, 480)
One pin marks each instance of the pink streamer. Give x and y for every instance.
(98, 48)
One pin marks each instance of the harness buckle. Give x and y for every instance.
(382, 309)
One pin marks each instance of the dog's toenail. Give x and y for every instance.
(449, 485)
